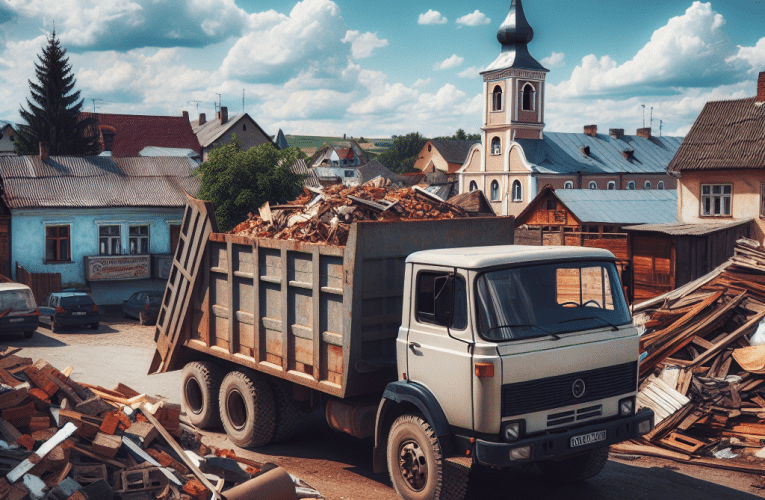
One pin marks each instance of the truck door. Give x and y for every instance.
(438, 355)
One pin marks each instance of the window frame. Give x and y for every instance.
(712, 196)
(611, 186)
(58, 240)
(423, 317)
(496, 98)
(660, 185)
(528, 98)
(631, 185)
(494, 190)
(568, 185)
(139, 238)
(496, 146)
(647, 185)
(517, 191)
(111, 240)
(592, 185)
(473, 186)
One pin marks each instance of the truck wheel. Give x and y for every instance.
(288, 414)
(415, 461)
(247, 409)
(200, 385)
(54, 328)
(575, 469)
(28, 335)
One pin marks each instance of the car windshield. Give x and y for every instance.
(549, 299)
(76, 301)
(17, 301)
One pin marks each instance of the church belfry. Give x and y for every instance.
(513, 87)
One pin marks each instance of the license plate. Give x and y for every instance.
(79, 313)
(592, 437)
(15, 320)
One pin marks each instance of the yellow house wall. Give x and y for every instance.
(425, 156)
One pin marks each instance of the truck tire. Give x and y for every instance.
(247, 409)
(28, 335)
(288, 414)
(575, 469)
(200, 386)
(415, 460)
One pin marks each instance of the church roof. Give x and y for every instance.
(514, 34)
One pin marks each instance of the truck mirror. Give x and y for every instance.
(444, 300)
(627, 276)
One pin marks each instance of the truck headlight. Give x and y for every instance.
(522, 453)
(511, 431)
(627, 407)
(644, 427)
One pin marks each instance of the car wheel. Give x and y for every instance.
(28, 335)
(54, 326)
(143, 318)
(94, 326)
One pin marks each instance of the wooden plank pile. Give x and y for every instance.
(699, 371)
(63, 440)
(324, 216)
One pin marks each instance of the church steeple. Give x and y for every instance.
(514, 34)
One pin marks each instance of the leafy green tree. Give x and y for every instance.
(402, 154)
(460, 135)
(237, 182)
(54, 118)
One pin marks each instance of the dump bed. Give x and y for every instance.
(322, 316)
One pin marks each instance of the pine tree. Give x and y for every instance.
(55, 117)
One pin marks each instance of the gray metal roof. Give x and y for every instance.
(212, 130)
(96, 181)
(310, 179)
(160, 151)
(687, 229)
(481, 257)
(453, 150)
(562, 153)
(620, 206)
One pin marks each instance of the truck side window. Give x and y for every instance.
(427, 284)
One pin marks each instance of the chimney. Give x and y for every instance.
(761, 87)
(591, 130)
(616, 133)
(645, 133)
(43, 151)
(223, 114)
(186, 114)
(202, 119)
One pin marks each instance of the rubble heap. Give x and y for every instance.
(63, 440)
(700, 372)
(325, 216)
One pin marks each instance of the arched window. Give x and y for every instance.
(494, 191)
(517, 191)
(611, 185)
(631, 185)
(496, 147)
(660, 185)
(568, 185)
(593, 185)
(647, 185)
(473, 186)
(528, 97)
(496, 99)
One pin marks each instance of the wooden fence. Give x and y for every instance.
(41, 283)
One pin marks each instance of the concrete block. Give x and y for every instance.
(106, 444)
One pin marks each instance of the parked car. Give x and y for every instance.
(143, 306)
(18, 310)
(69, 309)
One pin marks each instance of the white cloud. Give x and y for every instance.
(477, 18)
(471, 72)
(422, 83)
(554, 60)
(451, 62)
(362, 46)
(432, 17)
(754, 56)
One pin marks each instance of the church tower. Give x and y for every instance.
(513, 88)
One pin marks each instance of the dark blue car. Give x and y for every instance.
(69, 309)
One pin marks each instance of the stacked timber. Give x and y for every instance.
(63, 440)
(701, 373)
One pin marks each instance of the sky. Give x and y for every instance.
(376, 69)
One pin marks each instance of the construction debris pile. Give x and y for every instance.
(62, 440)
(325, 216)
(703, 367)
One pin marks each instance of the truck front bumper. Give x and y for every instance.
(559, 445)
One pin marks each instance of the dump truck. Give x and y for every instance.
(436, 338)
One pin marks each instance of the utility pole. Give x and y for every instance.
(660, 124)
(219, 101)
(651, 122)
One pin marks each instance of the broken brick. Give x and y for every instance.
(196, 489)
(26, 441)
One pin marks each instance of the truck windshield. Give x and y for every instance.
(549, 299)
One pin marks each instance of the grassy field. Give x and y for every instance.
(313, 141)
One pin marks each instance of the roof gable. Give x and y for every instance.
(132, 133)
(453, 150)
(212, 130)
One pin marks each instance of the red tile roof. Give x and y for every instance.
(132, 133)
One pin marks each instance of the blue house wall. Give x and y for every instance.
(28, 244)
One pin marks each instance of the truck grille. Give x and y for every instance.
(568, 417)
(555, 392)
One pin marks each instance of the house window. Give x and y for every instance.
(568, 185)
(57, 244)
(611, 185)
(647, 185)
(517, 191)
(715, 199)
(527, 97)
(631, 185)
(496, 146)
(660, 185)
(138, 239)
(494, 191)
(175, 236)
(593, 185)
(108, 141)
(244, 127)
(496, 99)
(109, 242)
(762, 200)
(551, 204)
(473, 186)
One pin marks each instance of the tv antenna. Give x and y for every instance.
(219, 102)
(643, 106)
(650, 123)
(195, 102)
(660, 124)
(94, 103)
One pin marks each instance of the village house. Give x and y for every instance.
(517, 158)
(107, 224)
(6, 137)
(443, 155)
(221, 130)
(128, 135)
(347, 153)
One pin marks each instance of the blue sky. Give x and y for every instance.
(323, 67)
